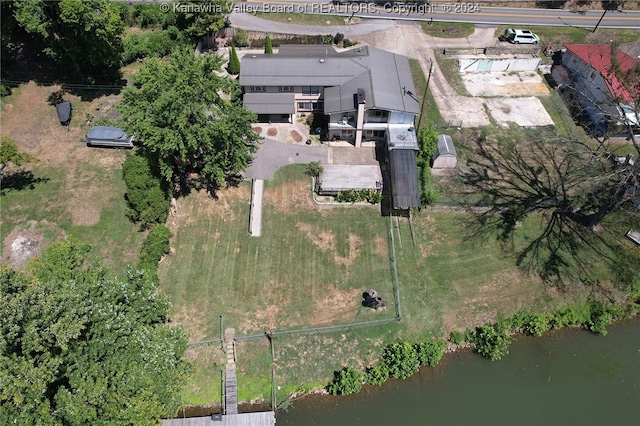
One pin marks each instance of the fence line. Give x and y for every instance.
(394, 267)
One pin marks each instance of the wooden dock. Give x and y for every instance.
(230, 416)
(230, 379)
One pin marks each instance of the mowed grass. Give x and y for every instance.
(308, 269)
(302, 18)
(302, 273)
(447, 29)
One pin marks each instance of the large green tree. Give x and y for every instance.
(199, 18)
(81, 347)
(84, 33)
(185, 112)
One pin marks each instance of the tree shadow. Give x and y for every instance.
(553, 179)
(27, 62)
(20, 180)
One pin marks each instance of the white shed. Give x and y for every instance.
(445, 155)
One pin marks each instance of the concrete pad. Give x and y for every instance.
(526, 111)
(343, 177)
(504, 84)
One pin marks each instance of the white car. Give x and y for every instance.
(519, 36)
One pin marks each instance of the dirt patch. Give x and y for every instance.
(380, 246)
(192, 319)
(27, 242)
(289, 197)
(272, 131)
(335, 305)
(201, 203)
(296, 136)
(326, 241)
(258, 130)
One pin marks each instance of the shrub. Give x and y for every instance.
(4, 90)
(154, 247)
(234, 62)
(348, 43)
(570, 315)
(156, 43)
(429, 197)
(346, 381)
(536, 324)
(377, 374)
(338, 38)
(401, 360)
(492, 341)
(601, 316)
(268, 48)
(457, 337)
(314, 169)
(372, 196)
(148, 200)
(241, 39)
(430, 353)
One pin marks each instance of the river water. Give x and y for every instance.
(566, 377)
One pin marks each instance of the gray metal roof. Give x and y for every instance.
(405, 192)
(384, 76)
(270, 103)
(445, 146)
(319, 50)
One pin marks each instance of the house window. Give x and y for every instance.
(378, 115)
(304, 106)
(375, 133)
(310, 90)
(258, 88)
(285, 88)
(344, 134)
(318, 106)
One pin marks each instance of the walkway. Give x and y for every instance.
(255, 211)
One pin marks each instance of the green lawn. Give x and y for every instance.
(431, 113)
(302, 273)
(447, 29)
(302, 18)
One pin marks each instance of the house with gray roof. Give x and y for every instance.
(365, 92)
(367, 95)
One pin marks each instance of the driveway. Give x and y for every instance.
(273, 154)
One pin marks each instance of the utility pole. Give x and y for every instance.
(602, 17)
(432, 69)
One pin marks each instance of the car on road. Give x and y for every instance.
(519, 36)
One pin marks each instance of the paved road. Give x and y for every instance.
(457, 12)
(251, 22)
